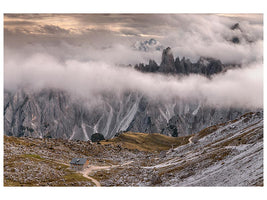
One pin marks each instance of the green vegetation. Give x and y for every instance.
(34, 156)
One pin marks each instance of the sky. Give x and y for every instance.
(95, 36)
(70, 51)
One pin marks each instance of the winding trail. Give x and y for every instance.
(91, 168)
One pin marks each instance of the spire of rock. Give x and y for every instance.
(167, 61)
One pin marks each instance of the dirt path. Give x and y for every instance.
(87, 171)
(91, 168)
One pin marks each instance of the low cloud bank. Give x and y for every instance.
(89, 80)
(81, 55)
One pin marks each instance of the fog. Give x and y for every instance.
(83, 57)
(242, 87)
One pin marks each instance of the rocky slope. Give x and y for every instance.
(227, 154)
(53, 113)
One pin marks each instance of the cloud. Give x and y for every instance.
(91, 80)
(189, 35)
(81, 54)
(51, 29)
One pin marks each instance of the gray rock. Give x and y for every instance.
(52, 113)
(155, 179)
(167, 62)
(205, 66)
(97, 137)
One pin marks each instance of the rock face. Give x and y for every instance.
(53, 114)
(97, 137)
(167, 62)
(169, 65)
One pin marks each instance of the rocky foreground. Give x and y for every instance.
(227, 154)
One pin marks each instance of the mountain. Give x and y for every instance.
(53, 113)
(226, 154)
(204, 66)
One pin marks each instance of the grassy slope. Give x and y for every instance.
(146, 142)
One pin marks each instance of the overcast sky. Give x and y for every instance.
(100, 34)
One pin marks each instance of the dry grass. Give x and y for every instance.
(146, 142)
(26, 164)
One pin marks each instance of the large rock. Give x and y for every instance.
(167, 62)
(97, 137)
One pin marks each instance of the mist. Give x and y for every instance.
(81, 56)
(242, 87)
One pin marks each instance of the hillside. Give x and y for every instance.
(227, 154)
(146, 141)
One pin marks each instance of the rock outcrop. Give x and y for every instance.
(167, 62)
(204, 66)
(53, 114)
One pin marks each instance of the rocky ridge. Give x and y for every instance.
(204, 66)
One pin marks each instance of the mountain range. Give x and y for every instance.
(54, 113)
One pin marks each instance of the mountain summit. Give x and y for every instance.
(205, 65)
(167, 61)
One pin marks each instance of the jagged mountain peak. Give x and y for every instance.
(167, 61)
(205, 65)
(207, 60)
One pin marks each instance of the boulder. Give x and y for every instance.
(96, 137)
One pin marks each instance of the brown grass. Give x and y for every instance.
(146, 142)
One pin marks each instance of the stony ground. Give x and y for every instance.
(229, 154)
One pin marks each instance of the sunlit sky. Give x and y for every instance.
(122, 24)
(109, 36)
